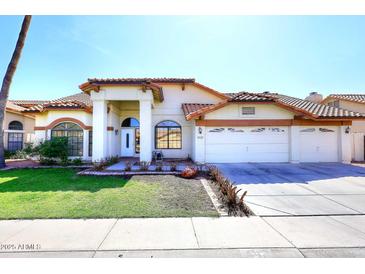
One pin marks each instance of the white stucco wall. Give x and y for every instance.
(262, 111)
(126, 99)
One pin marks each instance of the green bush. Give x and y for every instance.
(8, 154)
(47, 161)
(77, 161)
(57, 148)
(19, 154)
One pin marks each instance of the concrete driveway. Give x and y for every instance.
(310, 189)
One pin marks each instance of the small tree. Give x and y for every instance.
(57, 147)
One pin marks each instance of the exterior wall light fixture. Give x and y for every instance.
(347, 130)
(200, 130)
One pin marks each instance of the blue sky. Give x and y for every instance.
(288, 54)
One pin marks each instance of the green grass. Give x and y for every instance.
(61, 193)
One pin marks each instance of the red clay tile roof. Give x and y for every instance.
(11, 106)
(309, 108)
(304, 107)
(28, 103)
(139, 81)
(76, 101)
(357, 98)
(150, 83)
(191, 108)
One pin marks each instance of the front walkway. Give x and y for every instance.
(325, 236)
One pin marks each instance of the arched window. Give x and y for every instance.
(74, 134)
(15, 139)
(168, 135)
(15, 125)
(130, 122)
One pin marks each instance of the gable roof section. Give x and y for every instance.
(299, 106)
(28, 103)
(148, 83)
(11, 106)
(74, 102)
(356, 98)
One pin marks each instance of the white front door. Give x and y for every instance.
(127, 142)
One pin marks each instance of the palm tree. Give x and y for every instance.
(4, 93)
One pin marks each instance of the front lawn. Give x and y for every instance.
(61, 193)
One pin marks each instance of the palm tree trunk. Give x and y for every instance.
(4, 93)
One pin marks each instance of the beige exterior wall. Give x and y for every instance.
(44, 119)
(28, 126)
(170, 109)
(262, 111)
(357, 129)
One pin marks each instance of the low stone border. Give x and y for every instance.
(222, 211)
(123, 173)
(40, 167)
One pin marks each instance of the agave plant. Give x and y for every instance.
(144, 165)
(173, 166)
(159, 166)
(128, 166)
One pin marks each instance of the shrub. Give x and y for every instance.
(200, 166)
(143, 165)
(189, 172)
(112, 160)
(159, 166)
(47, 161)
(99, 166)
(128, 166)
(173, 166)
(8, 154)
(29, 149)
(229, 193)
(19, 154)
(77, 161)
(57, 148)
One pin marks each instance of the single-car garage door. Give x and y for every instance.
(247, 144)
(319, 144)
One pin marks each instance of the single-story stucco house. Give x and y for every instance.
(134, 117)
(18, 126)
(354, 102)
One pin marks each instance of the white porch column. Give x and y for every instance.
(99, 130)
(85, 147)
(145, 128)
(294, 144)
(345, 145)
(199, 144)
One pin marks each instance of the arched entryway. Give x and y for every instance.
(130, 137)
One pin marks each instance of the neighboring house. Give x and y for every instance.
(18, 126)
(131, 117)
(354, 102)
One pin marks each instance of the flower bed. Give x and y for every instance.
(228, 193)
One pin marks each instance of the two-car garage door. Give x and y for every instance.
(269, 144)
(247, 144)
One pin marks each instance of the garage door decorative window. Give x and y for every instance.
(308, 130)
(15, 139)
(326, 130)
(168, 135)
(74, 134)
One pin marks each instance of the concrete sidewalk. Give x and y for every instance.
(325, 236)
